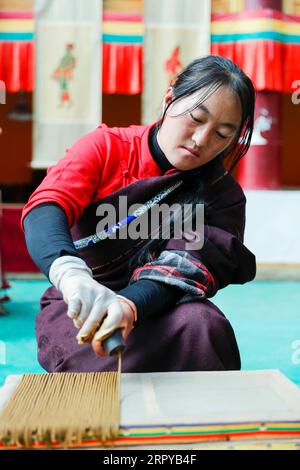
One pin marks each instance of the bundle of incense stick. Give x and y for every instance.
(63, 408)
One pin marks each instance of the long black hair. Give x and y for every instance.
(208, 74)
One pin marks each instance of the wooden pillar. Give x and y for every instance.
(261, 167)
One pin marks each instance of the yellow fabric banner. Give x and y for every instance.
(16, 4)
(123, 6)
(227, 6)
(291, 7)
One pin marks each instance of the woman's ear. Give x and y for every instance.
(167, 98)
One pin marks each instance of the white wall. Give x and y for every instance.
(273, 226)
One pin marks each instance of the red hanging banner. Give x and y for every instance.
(264, 43)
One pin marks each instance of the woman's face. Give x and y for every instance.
(193, 139)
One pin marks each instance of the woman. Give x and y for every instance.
(156, 290)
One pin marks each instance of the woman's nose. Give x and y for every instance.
(201, 136)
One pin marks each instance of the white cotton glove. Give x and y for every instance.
(87, 299)
(115, 320)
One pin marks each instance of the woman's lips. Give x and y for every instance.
(192, 151)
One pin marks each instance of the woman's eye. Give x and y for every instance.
(195, 119)
(222, 136)
(199, 121)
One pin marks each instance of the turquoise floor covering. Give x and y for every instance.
(265, 316)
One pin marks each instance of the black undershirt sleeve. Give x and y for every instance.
(48, 237)
(151, 297)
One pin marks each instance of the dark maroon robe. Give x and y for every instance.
(189, 336)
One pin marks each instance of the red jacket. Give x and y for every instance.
(98, 164)
(108, 159)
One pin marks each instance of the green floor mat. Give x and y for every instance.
(264, 316)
